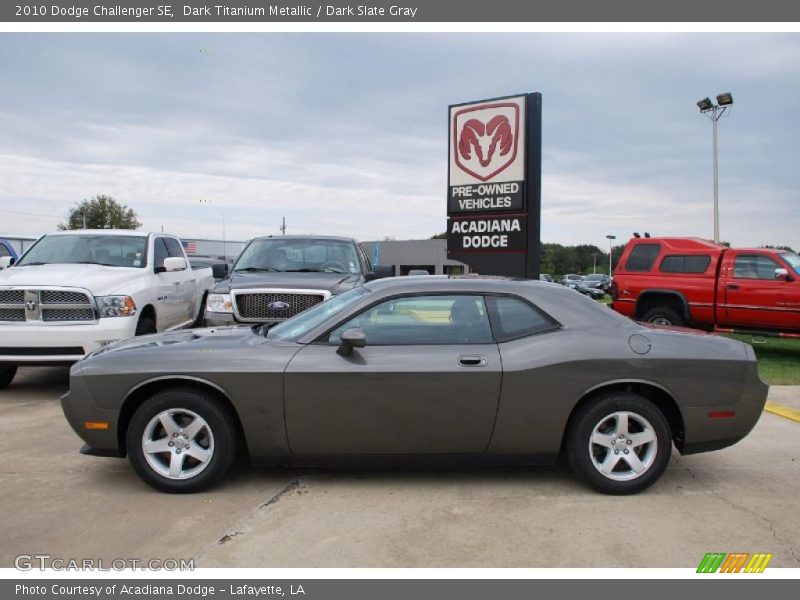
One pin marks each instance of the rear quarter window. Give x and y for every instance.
(512, 318)
(642, 257)
(685, 264)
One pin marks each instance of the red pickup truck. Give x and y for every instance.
(695, 282)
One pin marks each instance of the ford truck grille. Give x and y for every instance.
(49, 305)
(274, 306)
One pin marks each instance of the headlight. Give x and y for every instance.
(116, 306)
(220, 303)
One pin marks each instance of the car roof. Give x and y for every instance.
(457, 283)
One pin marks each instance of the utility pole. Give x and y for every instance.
(283, 226)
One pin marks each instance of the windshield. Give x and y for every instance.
(594, 277)
(108, 250)
(296, 327)
(793, 260)
(292, 255)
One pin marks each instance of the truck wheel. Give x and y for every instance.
(620, 443)
(200, 321)
(145, 325)
(6, 376)
(181, 441)
(661, 315)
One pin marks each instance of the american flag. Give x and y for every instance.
(190, 247)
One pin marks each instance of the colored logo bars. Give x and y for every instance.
(736, 562)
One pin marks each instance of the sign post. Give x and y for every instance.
(494, 191)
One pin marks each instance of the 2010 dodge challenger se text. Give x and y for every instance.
(429, 369)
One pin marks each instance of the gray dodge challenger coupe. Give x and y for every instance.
(419, 370)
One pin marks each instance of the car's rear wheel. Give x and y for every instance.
(181, 441)
(7, 376)
(662, 315)
(620, 443)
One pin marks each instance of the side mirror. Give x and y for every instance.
(174, 263)
(6, 261)
(219, 270)
(782, 274)
(379, 272)
(351, 338)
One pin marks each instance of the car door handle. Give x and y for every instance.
(472, 360)
(733, 286)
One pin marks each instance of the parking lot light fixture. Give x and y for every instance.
(610, 237)
(714, 112)
(705, 104)
(725, 99)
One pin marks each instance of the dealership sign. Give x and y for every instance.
(494, 173)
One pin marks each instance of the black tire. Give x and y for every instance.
(200, 321)
(663, 315)
(145, 325)
(222, 440)
(7, 375)
(582, 456)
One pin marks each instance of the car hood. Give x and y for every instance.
(219, 354)
(96, 278)
(188, 339)
(335, 283)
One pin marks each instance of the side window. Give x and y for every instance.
(422, 320)
(174, 247)
(160, 252)
(514, 318)
(642, 257)
(4, 251)
(685, 264)
(754, 266)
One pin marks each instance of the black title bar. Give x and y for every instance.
(398, 11)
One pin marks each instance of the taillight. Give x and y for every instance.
(614, 291)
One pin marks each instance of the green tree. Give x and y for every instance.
(439, 236)
(101, 212)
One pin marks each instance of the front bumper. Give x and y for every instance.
(215, 319)
(31, 343)
(80, 409)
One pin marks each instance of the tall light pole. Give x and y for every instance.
(714, 112)
(610, 237)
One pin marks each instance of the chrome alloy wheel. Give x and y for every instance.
(660, 321)
(178, 444)
(623, 446)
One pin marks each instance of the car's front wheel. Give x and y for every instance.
(620, 443)
(181, 441)
(7, 376)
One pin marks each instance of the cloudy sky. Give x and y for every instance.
(346, 133)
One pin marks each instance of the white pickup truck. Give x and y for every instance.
(74, 291)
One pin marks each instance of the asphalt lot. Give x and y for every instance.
(55, 501)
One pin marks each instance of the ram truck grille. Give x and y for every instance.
(274, 306)
(48, 306)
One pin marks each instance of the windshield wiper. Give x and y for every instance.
(254, 269)
(31, 264)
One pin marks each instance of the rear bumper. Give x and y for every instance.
(33, 343)
(704, 431)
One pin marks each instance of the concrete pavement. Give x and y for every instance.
(55, 501)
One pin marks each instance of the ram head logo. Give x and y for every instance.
(485, 139)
